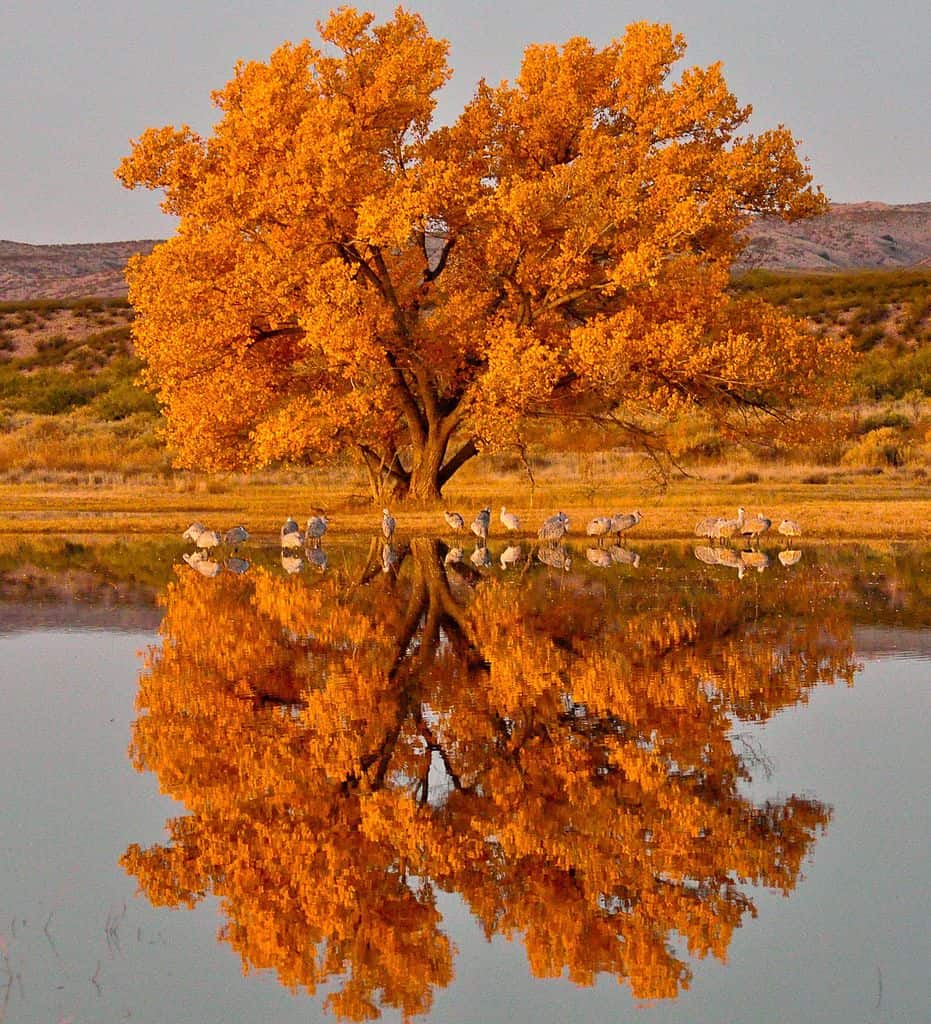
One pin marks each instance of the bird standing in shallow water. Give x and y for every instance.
(316, 528)
(554, 528)
(509, 521)
(193, 531)
(789, 528)
(481, 523)
(755, 527)
(454, 521)
(235, 536)
(388, 524)
(599, 527)
(624, 521)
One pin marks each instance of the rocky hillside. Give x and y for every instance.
(851, 236)
(65, 271)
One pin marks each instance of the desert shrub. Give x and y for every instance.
(897, 420)
(879, 448)
(745, 478)
(883, 376)
(122, 400)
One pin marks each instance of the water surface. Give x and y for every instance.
(662, 791)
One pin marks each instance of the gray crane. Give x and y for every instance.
(454, 521)
(599, 527)
(755, 527)
(554, 529)
(622, 522)
(316, 528)
(291, 536)
(509, 520)
(193, 531)
(235, 536)
(789, 528)
(480, 525)
(388, 524)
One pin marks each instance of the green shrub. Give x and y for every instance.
(122, 400)
(896, 420)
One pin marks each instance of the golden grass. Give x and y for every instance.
(841, 505)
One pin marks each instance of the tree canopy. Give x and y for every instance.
(346, 275)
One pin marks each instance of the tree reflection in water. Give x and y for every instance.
(559, 753)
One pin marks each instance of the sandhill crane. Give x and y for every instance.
(599, 557)
(554, 528)
(388, 524)
(557, 557)
(622, 523)
(709, 527)
(509, 521)
(235, 536)
(789, 528)
(205, 566)
(193, 531)
(481, 523)
(790, 556)
(623, 556)
(316, 528)
(755, 527)
(237, 566)
(599, 527)
(454, 521)
(480, 557)
(453, 556)
(208, 540)
(291, 536)
(728, 528)
(511, 556)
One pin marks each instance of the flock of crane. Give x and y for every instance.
(299, 546)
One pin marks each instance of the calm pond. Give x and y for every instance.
(656, 785)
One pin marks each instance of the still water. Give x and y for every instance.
(638, 789)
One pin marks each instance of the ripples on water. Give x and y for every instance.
(568, 741)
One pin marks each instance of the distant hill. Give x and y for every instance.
(852, 236)
(65, 271)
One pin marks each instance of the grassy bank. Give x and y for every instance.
(846, 506)
(80, 444)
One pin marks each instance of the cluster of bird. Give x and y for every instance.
(298, 546)
(206, 542)
(744, 527)
(720, 530)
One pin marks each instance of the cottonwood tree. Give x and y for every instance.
(346, 276)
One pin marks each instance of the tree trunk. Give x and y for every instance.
(425, 482)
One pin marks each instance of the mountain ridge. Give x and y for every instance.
(866, 235)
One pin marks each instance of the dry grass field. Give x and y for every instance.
(80, 448)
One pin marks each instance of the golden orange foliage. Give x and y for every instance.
(565, 762)
(344, 276)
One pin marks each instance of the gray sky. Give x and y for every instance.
(79, 79)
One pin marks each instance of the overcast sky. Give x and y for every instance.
(79, 78)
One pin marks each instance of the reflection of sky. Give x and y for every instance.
(70, 803)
